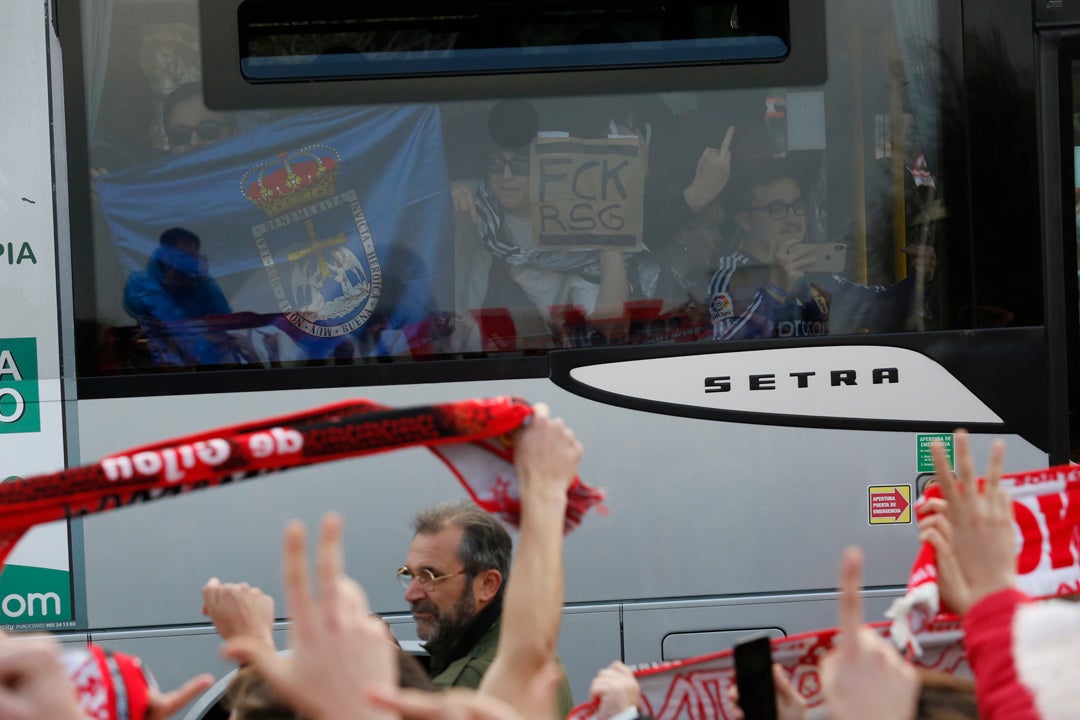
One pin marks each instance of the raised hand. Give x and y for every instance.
(239, 609)
(979, 533)
(865, 677)
(163, 705)
(546, 452)
(340, 650)
(616, 689)
(790, 705)
(546, 456)
(789, 263)
(33, 684)
(462, 197)
(711, 174)
(935, 529)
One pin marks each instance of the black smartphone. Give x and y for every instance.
(753, 676)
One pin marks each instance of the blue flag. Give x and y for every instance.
(337, 223)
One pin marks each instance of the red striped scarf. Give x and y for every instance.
(1046, 505)
(472, 437)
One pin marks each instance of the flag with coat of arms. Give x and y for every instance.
(330, 226)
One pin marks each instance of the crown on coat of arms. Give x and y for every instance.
(297, 178)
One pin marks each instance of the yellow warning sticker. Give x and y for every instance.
(890, 504)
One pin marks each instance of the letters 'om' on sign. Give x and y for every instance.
(588, 193)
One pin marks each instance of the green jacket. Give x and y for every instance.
(464, 665)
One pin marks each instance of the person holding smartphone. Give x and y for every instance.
(775, 284)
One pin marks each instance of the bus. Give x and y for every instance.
(218, 211)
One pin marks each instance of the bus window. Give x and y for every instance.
(281, 41)
(487, 228)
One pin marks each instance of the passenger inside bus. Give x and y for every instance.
(174, 290)
(685, 226)
(510, 295)
(533, 285)
(773, 284)
(670, 279)
(189, 124)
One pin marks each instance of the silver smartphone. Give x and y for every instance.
(829, 257)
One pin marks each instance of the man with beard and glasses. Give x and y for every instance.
(454, 576)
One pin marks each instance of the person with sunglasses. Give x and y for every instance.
(769, 286)
(552, 296)
(189, 124)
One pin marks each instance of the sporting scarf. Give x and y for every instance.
(109, 686)
(1046, 505)
(471, 437)
(496, 237)
(1046, 510)
(697, 689)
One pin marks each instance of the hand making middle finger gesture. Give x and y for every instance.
(864, 676)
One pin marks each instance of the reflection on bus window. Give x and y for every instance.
(486, 228)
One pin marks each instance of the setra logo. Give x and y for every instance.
(19, 402)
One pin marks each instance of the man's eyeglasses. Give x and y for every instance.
(207, 130)
(518, 165)
(778, 209)
(427, 579)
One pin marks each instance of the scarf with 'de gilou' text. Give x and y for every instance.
(472, 437)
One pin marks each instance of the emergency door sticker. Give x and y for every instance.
(890, 504)
(925, 459)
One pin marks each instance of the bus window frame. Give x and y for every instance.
(1058, 50)
(955, 162)
(228, 89)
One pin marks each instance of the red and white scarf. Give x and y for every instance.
(472, 437)
(1046, 510)
(109, 686)
(1046, 504)
(697, 689)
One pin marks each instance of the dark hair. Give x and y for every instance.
(513, 124)
(174, 236)
(180, 93)
(485, 544)
(945, 697)
(253, 699)
(411, 674)
(763, 171)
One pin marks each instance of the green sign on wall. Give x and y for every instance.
(925, 458)
(35, 596)
(20, 411)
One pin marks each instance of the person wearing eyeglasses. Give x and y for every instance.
(773, 284)
(189, 124)
(454, 577)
